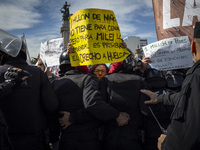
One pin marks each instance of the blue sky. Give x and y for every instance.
(41, 20)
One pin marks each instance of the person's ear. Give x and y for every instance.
(193, 47)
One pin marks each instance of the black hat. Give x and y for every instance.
(197, 30)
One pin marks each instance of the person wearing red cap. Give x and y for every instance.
(184, 131)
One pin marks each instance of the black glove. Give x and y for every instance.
(13, 76)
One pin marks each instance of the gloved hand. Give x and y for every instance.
(13, 75)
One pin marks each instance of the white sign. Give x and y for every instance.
(50, 52)
(169, 54)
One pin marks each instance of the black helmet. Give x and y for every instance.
(174, 79)
(155, 78)
(65, 63)
(64, 58)
(151, 73)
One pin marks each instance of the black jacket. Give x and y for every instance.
(32, 105)
(184, 133)
(72, 90)
(120, 93)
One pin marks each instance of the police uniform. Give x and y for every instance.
(72, 89)
(30, 108)
(184, 132)
(120, 93)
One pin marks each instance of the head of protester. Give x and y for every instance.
(100, 70)
(11, 47)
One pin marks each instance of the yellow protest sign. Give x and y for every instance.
(95, 37)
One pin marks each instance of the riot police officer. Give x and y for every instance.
(31, 109)
(157, 83)
(79, 127)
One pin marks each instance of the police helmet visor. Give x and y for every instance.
(9, 44)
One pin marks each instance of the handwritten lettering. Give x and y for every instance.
(82, 28)
(96, 16)
(89, 56)
(113, 28)
(158, 44)
(115, 55)
(80, 17)
(105, 36)
(80, 48)
(112, 45)
(99, 27)
(109, 17)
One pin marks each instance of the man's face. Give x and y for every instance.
(100, 71)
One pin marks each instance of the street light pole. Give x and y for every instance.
(65, 26)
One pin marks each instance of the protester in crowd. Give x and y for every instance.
(183, 133)
(122, 92)
(45, 69)
(157, 83)
(31, 109)
(100, 70)
(73, 88)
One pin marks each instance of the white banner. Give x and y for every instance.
(50, 52)
(169, 54)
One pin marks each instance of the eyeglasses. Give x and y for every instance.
(98, 71)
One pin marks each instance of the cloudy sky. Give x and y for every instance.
(41, 20)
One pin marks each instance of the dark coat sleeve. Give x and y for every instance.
(168, 98)
(95, 100)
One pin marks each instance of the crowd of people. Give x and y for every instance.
(126, 106)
